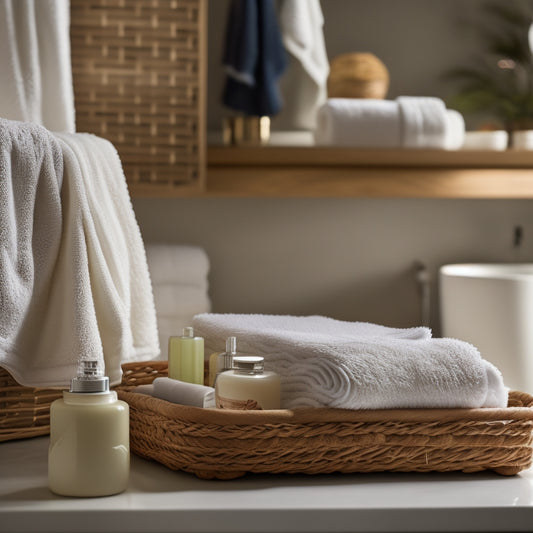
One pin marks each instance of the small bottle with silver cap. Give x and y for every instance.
(248, 386)
(221, 362)
(89, 452)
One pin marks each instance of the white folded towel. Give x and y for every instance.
(73, 275)
(36, 80)
(407, 122)
(323, 362)
(301, 24)
(180, 299)
(181, 264)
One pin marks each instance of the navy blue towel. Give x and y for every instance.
(254, 58)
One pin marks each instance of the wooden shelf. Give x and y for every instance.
(277, 172)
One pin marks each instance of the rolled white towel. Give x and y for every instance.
(175, 391)
(407, 122)
(323, 362)
(454, 135)
(365, 123)
(423, 121)
(170, 263)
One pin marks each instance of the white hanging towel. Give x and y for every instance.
(74, 279)
(36, 80)
(301, 24)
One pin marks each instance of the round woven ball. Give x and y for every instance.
(358, 75)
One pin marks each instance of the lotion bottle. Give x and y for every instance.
(186, 357)
(89, 452)
(221, 362)
(248, 386)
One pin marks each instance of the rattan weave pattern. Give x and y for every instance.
(24, 411)
(228, 444)
(139, 81)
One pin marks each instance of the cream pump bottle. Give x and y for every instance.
(186, 357)
(248, 386)
(89, 452)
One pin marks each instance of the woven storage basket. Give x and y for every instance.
(139, 75)
(24, 411)
(228, 444)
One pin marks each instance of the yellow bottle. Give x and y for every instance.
(186, 357)
(89, 452)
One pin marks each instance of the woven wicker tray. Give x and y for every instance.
(24, 411)
(227, 444)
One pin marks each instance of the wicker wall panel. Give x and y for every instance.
(139, 81)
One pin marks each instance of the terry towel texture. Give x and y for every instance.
(74, 278)
(407, 122)
(36, 80)
(353, 365)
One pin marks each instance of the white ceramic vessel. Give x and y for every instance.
(491, 306)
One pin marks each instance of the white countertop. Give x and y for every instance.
(160, 500)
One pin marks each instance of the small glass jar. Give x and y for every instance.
(248, 386)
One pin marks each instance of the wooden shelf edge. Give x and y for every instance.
(338, 156)
(283, 172)
(312, 182)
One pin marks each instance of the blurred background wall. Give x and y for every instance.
(348, 258)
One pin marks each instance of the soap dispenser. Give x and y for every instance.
(220, 362)
(89, 452)
(186, 357)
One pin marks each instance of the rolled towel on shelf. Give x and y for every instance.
(328, 363)
(426, 123)
(365, 123)
(454, 135)
(407, 122)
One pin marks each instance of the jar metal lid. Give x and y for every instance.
(249, 363)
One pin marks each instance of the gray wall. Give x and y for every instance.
(350, 259)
